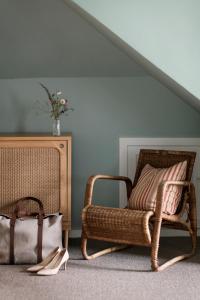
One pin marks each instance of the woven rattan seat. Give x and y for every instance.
(125, 226)
(122, 225)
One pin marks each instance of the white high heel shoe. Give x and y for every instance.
(45, 262)
(53, 267)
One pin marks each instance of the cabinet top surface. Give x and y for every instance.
(35, 136)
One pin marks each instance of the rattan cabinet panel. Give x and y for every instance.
(38, 166)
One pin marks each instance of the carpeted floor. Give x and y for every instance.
(120, 275)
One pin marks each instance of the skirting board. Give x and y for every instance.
(76, 233)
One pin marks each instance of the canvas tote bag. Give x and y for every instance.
(27, 239)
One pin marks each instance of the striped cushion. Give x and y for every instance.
(143, 196)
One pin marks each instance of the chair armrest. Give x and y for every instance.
(161, 191)
(91, 182)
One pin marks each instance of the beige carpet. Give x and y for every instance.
(120, 275)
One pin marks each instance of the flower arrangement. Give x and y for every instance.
(58, 104)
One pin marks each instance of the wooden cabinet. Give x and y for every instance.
(39, 166)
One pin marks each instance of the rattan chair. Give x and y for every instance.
(133, 227)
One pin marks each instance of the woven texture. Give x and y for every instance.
(119, 225)
(143, 196)
(29, 171)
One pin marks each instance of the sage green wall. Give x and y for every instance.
(105, 109)
(59, 44)
(166, 33)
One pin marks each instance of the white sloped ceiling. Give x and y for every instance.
(161, 36)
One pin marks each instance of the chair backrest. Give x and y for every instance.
(164, 159)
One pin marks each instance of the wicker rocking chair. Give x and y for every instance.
(134, 227)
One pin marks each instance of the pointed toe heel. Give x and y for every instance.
(45, 262)
(60, 260)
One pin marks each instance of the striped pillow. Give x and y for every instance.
(143, 196)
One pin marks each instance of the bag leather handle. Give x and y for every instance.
(19, 204)
(40, 227)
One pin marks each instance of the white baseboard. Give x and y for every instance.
(176, 233)
(76, 233)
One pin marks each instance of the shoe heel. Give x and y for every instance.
(59, 262)
(64, 266)
(45, 262)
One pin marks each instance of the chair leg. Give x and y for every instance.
(155, 248)
(100, 253)
(155, 244)
(194, 242)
